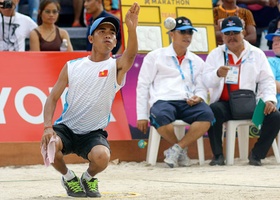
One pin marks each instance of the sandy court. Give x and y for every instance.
(131, 180)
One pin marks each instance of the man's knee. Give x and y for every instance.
(274, 118)
(202, 124)
(99, 155)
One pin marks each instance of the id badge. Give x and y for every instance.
(232, 75)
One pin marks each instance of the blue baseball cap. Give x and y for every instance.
(271, 35)
(183, 23)
(105, 20)
(232, 23)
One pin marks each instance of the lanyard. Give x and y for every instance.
(3, 28)
(180, 70)
(242, 61)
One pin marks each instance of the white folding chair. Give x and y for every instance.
(154, 141)
(242, 127)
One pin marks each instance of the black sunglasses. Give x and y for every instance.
(183, 32)
(233, 32)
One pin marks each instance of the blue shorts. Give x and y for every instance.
(166, 112)
(80, 144)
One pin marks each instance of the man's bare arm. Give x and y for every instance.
(55, 94)
(125, 62)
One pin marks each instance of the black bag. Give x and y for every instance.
(242, 103)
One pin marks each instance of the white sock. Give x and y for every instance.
(69, 175)
(87, 176)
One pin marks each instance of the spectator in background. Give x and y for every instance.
(15, 28)
(250, 68)
(111, 6)
(272, 27)
(275, 61)
(170, 87)
(78, 8)
(96, 9)
(264, 11)
(229, 8)
(33, 6)
(47, 36)
(216, 3)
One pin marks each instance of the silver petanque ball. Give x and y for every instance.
(169, 23)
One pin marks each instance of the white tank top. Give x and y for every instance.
(91, 91)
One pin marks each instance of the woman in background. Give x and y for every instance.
(47, 36)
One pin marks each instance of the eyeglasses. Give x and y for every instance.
(232, 32)
(51, 11)
(188, 31)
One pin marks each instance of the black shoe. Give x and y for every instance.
(219, 160)
(91, 187)
(253, 160)
(73, 187)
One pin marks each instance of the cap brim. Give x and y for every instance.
(110, 23)
(231, 29)
(185, 28)
(110, 20)
(270, 36)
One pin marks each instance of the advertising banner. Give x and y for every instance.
(26, 79)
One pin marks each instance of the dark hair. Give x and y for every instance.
(43, 5)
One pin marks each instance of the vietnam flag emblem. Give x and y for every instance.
(103, 73)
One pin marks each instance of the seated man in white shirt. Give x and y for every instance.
(170, 84)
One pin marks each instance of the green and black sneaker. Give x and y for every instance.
(91, 187)
(73, 187)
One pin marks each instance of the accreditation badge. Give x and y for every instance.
(232, 75)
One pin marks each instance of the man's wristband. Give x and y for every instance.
(46, 127)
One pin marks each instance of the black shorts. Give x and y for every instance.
(166, 112)
(80, 144)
